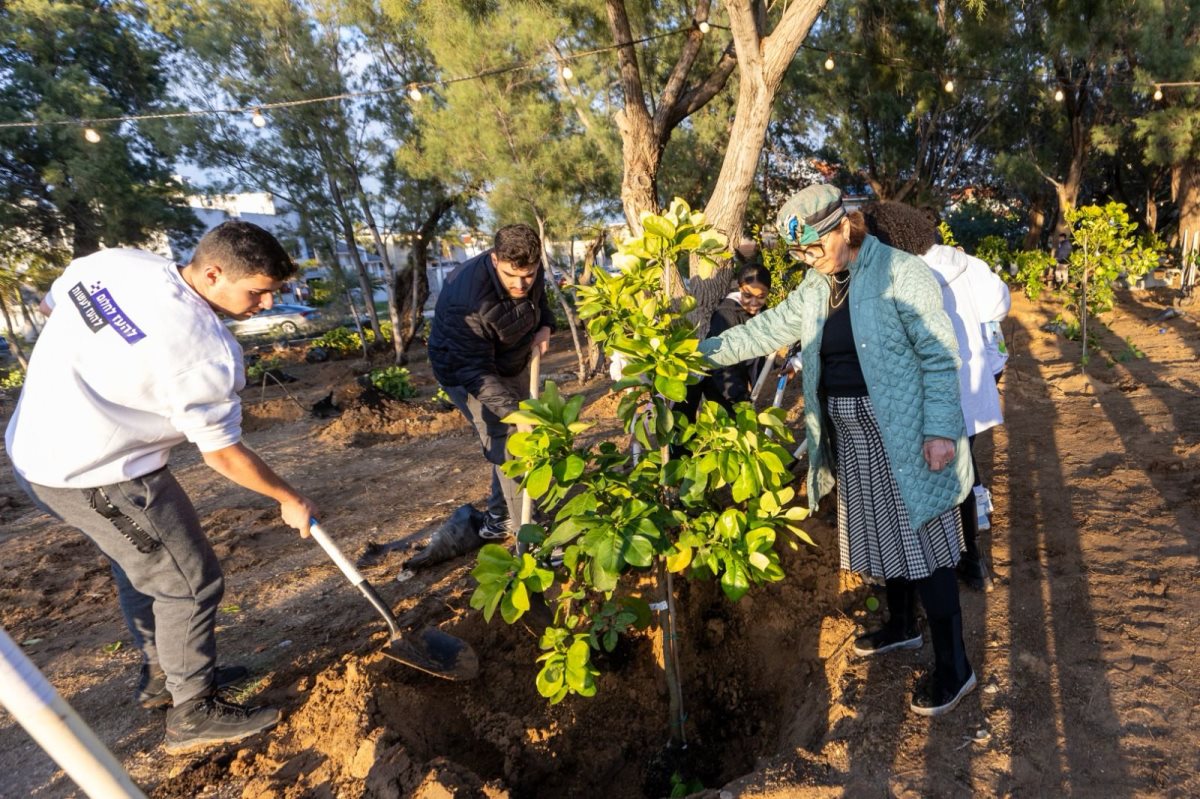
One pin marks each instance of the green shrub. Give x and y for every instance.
(1031, 271)
(346, 342)
(256, 370)
(13, 379)
(993, 250)
(394, 382)
(786, 271)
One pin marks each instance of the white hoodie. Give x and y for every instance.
(974, 298)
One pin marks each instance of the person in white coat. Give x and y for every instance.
(976, 300)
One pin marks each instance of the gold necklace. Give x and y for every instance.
(836, 297)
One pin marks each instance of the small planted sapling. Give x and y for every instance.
(708, 497)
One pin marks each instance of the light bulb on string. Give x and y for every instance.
(829, 65)
(92, 135)
(1058, 95)
(949, 87)
(258, 120)
(414, 93)
(1158, 92)
(704, 26)
(567, 72)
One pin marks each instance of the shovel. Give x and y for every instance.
(432, 651)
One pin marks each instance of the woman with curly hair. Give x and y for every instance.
(975, 299)
(883, 422)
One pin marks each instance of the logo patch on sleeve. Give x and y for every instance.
(99, 310)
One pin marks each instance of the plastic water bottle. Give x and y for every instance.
(983, 507)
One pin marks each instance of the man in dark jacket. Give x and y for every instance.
(490, 315)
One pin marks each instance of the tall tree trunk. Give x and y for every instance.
(364, 279)
(552, 287)
(762, 63)
(414, 312)
(389, 269)
(27, 314)
(1037, 223)
(1185, 191)
(14, 341)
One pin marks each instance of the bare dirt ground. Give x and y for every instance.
(1086, 650)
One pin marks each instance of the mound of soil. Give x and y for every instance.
(368, 418)
(755, 675)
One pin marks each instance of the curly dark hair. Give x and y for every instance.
(243, 249)
(901, 226)
(519, 245)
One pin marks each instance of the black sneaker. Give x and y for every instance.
(931, 698)
(152, 692)
(495, 528)
(210, 720)
(886, 639)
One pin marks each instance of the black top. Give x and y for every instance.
(481, 334)
(730, 384)
(841, 374)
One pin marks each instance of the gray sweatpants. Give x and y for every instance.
(505, 498)
(169, 582)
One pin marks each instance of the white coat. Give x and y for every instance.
(974, 297)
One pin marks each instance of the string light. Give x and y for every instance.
(567, 72)
(413, 90)
(258, 120)
(1058, 95)
(91, 135)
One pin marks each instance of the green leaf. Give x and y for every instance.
(744, 486)
(674, 390)
(523, 417)
(569, 469)
(659, 226)
(759, 561)
(550, 679)
(734, 581)
(639, 551)
(538, 481)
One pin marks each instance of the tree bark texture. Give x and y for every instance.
(1185, 191)
(762, 63)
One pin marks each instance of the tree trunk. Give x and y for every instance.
(552, 287)
(14, 341)
(641, 159)
(389, 269)
(364, 279)
(27, 314)
(1185, 191)
(1037, 223)
(762, 63)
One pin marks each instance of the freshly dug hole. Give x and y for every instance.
(755, 682)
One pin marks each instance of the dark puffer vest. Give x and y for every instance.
(481, 334)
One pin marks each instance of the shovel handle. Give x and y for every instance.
(535, 374)
(353, 575)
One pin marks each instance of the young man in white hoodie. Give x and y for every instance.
(133, 360)
(976, 300)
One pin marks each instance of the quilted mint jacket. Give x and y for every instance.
(909, 358)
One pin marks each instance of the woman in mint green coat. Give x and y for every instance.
(882, 419)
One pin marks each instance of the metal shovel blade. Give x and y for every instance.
(435, 652)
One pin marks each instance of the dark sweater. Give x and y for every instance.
(841, 373)
(731, 384)
(480, 333)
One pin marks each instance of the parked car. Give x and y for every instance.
(280, 319)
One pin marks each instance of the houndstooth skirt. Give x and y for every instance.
(875, 535)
